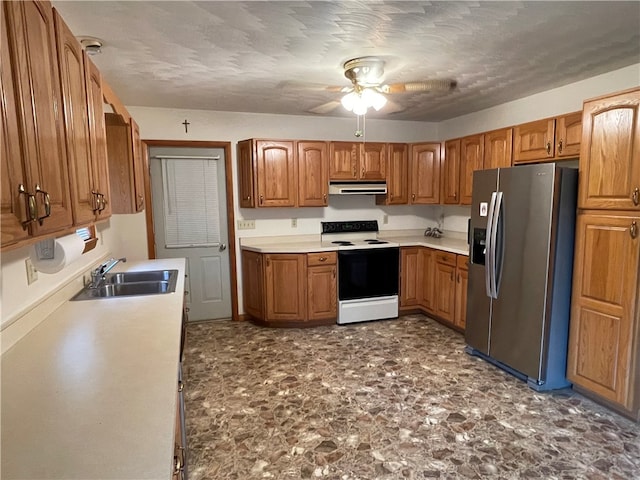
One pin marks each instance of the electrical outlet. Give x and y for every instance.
(246, 224)
(385, 219)
(32, 273)
(294, 223)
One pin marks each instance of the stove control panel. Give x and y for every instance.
(349, 227)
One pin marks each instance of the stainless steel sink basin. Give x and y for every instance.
(150, 276)
(131, 284)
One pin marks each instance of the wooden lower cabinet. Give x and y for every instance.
(462, 281)
(409, 285)
(604, 350)
(445, 285)
(426, 278)
(290, 289)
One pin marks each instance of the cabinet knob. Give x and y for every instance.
(322, 259)
(559, 146)
(635, 196)
(248, 198)
(413, 196)
(548, 148)
(633, 229)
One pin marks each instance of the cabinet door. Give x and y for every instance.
(397, 175)
(569, 135)
(12, 203)
(322, 291)
(76, 123)
(451, 172)
(343, 160)
(253, 284)
(534, 141)
(610, 153)
(285, 285)
(313, 174)
(426, 278)
(139, 167)
(246, 170)
(373, 161)
(32, 41)
(276, 173)
(498, 148)
(462, 281)
(409, 267)
(445, 285)
(471, 159)
(98, 138)
(425, 173)
(120, 157)
(603, 316)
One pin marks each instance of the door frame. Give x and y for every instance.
(226, 146)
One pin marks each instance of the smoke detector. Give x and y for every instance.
(91, 45)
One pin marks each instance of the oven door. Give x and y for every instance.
(368, 273)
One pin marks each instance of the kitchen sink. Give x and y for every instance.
(129, 284)
(150, 276)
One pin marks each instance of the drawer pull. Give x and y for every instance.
(633, 229)
(635, 197)
(322, 259)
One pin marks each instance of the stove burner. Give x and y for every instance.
(342, 243)
(375, 241)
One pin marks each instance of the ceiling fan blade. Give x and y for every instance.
(325, 107)
(424, 86)
(308, 86)
(392, 107)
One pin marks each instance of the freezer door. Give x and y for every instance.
(523, 256)
(485, 182)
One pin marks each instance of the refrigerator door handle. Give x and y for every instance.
(488, 268)
(494, 244)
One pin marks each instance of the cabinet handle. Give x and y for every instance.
(103, 199)
(248, 198)
(362, 173)
(635, 197)
(633, 229)
(30, 204)
(324, 197)
(548, 148)
(261, 199)
(322, 259)
(333, 272)
(47, 204)
(413, 196)
(96, 201)
(559, 146)
(355, 171)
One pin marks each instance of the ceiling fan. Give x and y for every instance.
(367, 90)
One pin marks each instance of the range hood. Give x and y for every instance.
(357, 188)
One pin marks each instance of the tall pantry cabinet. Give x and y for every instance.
(604, 350)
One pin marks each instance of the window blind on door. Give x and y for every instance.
(191, 215)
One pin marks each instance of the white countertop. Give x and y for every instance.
(90, 393)
(454, 242)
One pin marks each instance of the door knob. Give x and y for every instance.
(223, 247)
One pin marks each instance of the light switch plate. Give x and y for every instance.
(32, 273)
(246, 224)
(294, 223)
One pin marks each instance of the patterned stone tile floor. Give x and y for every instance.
(393, 399)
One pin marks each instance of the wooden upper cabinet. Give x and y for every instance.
(471, 159)
(534, 141)
(450, 177)
(120, 150)
(246, 165)
(424, 173)
(603, 342)
(276, 173)
(313, 174)
(610, 153)
(98, 137)
(12, 203)
(343, 160)
(32, 47)
(139, 167)
(569, 135)
(373, 161)
(397, 175)
(76, 122)
(498, 148)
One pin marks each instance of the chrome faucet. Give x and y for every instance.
(98, 274)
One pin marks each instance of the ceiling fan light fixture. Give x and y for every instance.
(360, 102)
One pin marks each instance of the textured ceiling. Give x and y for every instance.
(277, 57)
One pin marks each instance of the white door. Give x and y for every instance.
(190, 220)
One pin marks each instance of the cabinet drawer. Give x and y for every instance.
(462, 262)
(446, 258)
(321, 258)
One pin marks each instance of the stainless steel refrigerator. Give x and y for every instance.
(521, 236)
